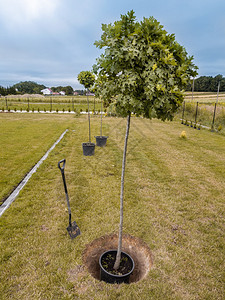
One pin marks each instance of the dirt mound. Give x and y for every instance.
(25, 96)
(134, 246)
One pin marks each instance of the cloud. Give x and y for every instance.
(22, 13)
(52, 40)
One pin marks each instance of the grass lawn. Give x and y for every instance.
(24, 140)
(174, 202)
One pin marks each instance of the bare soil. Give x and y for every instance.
(134, 246)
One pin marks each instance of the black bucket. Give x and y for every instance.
(101, 140)
(88, 149)
(112, 278)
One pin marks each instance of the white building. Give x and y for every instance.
(47, 91)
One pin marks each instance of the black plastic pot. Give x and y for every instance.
(88, 149)
(101, 140)
(112, 278)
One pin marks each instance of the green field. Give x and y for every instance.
(206, 106)
(205, 97)
(174, 202)
(72, 103)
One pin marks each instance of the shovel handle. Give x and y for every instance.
(63, 175)
(63, 166)
(63, 161)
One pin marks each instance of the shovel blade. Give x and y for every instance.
(73, 230)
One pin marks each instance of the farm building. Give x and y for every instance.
(47, 91)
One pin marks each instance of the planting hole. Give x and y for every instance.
(135, 247)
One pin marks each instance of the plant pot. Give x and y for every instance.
(88, 149)
(126, 262)
(101, 140)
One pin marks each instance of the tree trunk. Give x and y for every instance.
(89, 122)
(118, 256)
(101, 118)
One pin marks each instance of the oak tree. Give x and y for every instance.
(87, 79)
(143, 70)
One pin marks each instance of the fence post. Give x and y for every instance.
(214, 114)
(182, 122)
(6, 103)
(196, 114)
(28, 104)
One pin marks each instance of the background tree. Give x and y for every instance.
(208, 84)
(7, 91)
(87, 79)
(79, 92)
(68, 90)
(29, 87)
(143, 70)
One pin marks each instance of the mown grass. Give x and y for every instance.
(24, 140)
(174, 201)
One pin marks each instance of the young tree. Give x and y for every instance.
(144, 71)
(87, 79)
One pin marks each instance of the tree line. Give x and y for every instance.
(30, 87)
(7, 91)
(207, 84)
(201, 84)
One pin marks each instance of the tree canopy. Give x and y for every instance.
(86, 78)
(67, 89)
(143, 69)
(7, 91)
(29, 87)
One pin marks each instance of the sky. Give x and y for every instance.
(51, 41)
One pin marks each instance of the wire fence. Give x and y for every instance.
(198, 114)
(76, 104)
(195, 114)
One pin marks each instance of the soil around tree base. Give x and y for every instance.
(135, 247)
(108, 261)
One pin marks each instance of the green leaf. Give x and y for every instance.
(144, 68)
